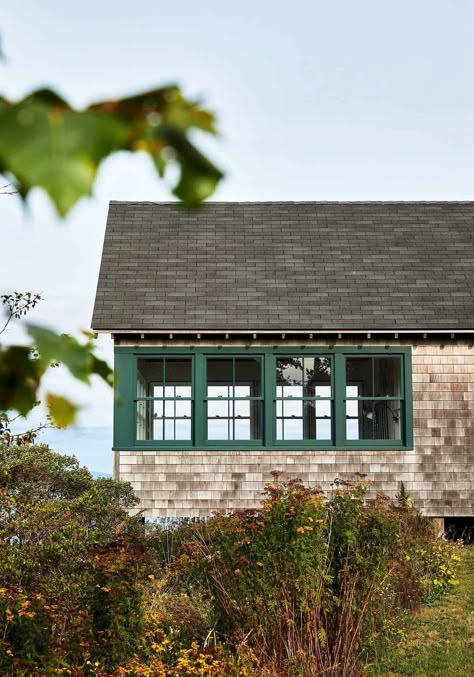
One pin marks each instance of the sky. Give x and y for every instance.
(315, 101)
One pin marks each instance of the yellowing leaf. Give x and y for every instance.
(61, 410)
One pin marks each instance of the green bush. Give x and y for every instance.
(71, 565)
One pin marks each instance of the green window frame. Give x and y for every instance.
(233, 405)
(383, 405)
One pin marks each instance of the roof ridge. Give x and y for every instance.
(297, 202)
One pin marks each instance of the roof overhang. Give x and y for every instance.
(285, 334)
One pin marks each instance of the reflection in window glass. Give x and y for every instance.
(317, 376)
(301, 411)
(359, 373)
(387, 376)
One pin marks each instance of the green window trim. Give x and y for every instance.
(125, 409)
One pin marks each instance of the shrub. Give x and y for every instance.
(308, 581)
(305, 585)
(71, 566)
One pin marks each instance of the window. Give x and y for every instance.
(164, 401)
(303, 398)
(234, 398)
(373, 398)
(274, 398)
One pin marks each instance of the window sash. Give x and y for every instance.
(256, 414)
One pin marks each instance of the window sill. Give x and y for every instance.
(226, 446)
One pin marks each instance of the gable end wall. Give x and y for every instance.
(438, 472)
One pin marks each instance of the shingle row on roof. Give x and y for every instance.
(287, 266)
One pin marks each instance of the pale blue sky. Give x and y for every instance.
(315, 100)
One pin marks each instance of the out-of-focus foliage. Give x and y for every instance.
(45, 143)
(23, 367)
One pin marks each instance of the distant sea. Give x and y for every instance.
(91, 446)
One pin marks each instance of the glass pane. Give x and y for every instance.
(323, 429)
(218, 409)
(359, 373)
(219, 391)
(219, 378)
(322, 408)
(387, 420)
(352, 391)
(387, 373)
(183, 409)
(218, 429)
(242, 429)
(290, 376)
(169, 429)
(183, 429)
(233, 420)
(174, 425)
(183, 391)
(359, 420)
(247, 377)
(157, 430)
(323, 391)
(352, 408)
(292, 408)
(248, 428)
(317, 374)
(292, 429)
(292, 391)
(177, 373)
(373, 420)
(149, 375)
(317, 421)
(242, 408)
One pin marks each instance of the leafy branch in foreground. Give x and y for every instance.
(23, 366)
(22, 369)
(45, 143)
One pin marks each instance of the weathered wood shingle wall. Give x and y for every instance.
(438, 473)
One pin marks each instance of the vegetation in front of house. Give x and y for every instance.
(307, 584)
(439, 641)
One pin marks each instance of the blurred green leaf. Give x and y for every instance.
(45, 143)
(78, 358)
(62, 411)
(22, 368)
(20, 376)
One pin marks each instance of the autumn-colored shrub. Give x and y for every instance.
(304, 585)
(309, 581)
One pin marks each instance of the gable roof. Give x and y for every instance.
(287, 266)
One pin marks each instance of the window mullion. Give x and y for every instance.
(269, 395)
(199, 415)
(339, 399)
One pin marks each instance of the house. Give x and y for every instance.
(316, 339)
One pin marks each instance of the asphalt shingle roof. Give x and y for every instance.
(287, 266)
